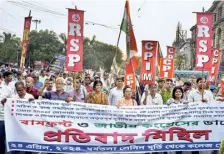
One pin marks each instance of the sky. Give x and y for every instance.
(156, 19)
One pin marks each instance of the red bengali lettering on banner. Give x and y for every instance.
(80, 136)
(171, 51)
(149, 57)
(27, 25)
(167, 68)
(74, 58)
(213, 73)
(204, 41)
(179, 132)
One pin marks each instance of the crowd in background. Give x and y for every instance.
(99, 88)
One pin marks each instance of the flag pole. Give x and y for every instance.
(118, 40)
(203, 10)
(137, 83)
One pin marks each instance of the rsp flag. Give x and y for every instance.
(27, 25)
(149, 57)
(213, 73)
(170, 52)
(167, 68)
(74, 58)
(203, 41)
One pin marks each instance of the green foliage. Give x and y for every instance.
(98, 54)
(179, 61)
(10, 45)
(43, 45)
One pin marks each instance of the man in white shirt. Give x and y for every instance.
(21, 91)
(200, 94)
(8, 82)
(117, 92)
(106, 81)
(4, 93)
(150, 97)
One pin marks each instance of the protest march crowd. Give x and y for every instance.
(100, 88)
(155, 85)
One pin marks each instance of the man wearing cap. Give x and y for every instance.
(117, 92)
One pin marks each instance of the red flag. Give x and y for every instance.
(167, 68)
(149, 59)
(213, 73)
(204, 41)
(130, 78)
(170, 52)
(74, 58)
(27, 25)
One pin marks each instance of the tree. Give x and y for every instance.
(63, 38)
(98, 54)
(179, 61)
(9, 47)
(43, 45)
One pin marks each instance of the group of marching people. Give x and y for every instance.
(98, 89)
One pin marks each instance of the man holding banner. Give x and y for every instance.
(151, 97)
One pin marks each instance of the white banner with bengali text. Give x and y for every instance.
(59, 127)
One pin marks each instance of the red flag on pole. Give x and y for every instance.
(74, 58)
(26, 32)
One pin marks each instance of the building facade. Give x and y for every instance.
(218, 26)
(184, 50)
